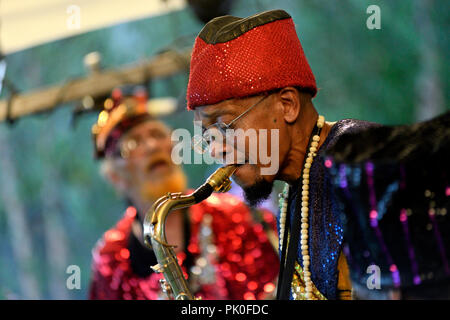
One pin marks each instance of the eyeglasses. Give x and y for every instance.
(137, 147)
(202, 143)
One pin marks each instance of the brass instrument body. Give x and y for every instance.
(155, 236)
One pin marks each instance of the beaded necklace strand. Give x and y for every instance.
(304, 210)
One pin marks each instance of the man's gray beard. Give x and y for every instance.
(258, 192)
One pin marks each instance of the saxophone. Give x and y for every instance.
(175, 285)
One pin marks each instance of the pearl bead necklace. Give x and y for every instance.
(304, 210)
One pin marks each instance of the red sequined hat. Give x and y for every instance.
(238, 57)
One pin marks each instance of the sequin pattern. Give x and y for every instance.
(298, 286)
(222, 233)
(325, 227)
(393, 183)
(265, 58)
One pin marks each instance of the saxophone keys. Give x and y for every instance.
(226, 186)
(158, 268)
(165, 286)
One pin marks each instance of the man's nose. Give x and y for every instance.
(218, 149)
(152, 145)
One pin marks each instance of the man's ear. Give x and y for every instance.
(111, 174)
(291, 103)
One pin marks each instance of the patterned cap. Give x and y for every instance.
(238, 57)
(126, 108)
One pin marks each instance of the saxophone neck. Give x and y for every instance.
(155, 221)
(155, 218)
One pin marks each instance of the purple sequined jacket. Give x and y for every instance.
(325, 228)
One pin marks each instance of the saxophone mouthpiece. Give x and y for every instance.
(219, 181)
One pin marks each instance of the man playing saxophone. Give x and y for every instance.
(222, 251)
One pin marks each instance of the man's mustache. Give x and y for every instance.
(157, 159)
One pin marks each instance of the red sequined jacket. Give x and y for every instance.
(232, 256)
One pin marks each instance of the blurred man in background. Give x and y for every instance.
(222, 251)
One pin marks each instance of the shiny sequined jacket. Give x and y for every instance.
(393, 183)
(325, 227)
(227, 256)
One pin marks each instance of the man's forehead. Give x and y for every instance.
(152, 124)
(214, 110)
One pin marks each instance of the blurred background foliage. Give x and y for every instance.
(51, 186)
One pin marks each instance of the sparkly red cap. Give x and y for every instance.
(239, 57)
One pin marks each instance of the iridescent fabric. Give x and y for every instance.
(298, 286)
(325, 228)
(394, 183)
